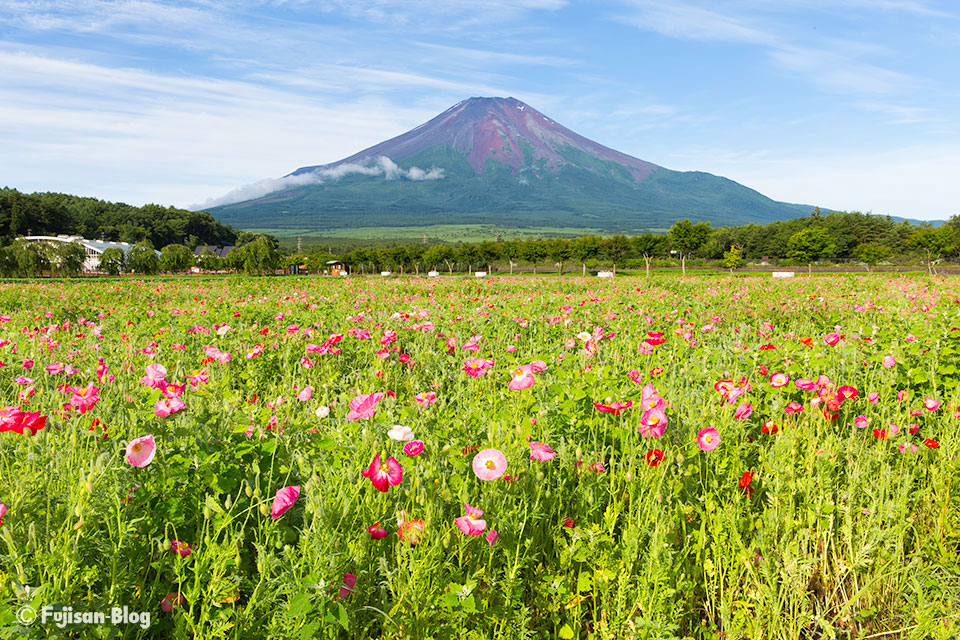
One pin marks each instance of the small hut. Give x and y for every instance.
(336, 268)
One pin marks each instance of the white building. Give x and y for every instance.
(93, 248)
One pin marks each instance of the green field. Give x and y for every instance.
(307, 457)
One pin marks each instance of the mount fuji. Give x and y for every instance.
(494, 161)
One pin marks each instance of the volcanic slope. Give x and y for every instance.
(498, 161)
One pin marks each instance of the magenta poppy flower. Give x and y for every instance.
(542, 452)
(84, 398)
(615, 408)
(492, 537)
(413, 448)
(653, 423)
(284, 500)
(861, 422)
(3, 512)
(873, 398)
(476, 367)
(171, 601)
(181, 548)
(305, 394)
(346, 587)
(13, 419)
(708, 439)
(832, 339)
(384, 475)
(140, 451)
(376, 531)
(889, 361)
(930, 404)
(489, 464)
(470, 523)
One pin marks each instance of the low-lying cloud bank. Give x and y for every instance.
(379, 166)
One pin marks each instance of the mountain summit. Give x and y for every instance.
(500, 130)
(494, 161)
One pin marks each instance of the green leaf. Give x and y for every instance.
(299, 605)
(342, 618)
(565, 632)
(469, 605)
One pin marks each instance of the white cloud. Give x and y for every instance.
(380, 165)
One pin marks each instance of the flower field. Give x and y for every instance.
(502, 458)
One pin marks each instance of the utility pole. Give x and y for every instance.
(299, 244)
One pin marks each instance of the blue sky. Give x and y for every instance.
(849, 104)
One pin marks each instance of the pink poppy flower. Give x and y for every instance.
(3, 512)
(140, 451)
(743, 411)
(779, 380)
(792, 408)
(889, 361)
(832, 339)
(634, 375)
(476, 367)
(28, 364)
(708, 439)
(284, 500)
(167, 407)
(173, 390)
(172, 601)
(389, 337)
(873, 398)
(305, 394)
(413, 448)
(156, 376)
(654, 401)
(861, 422)
(364, 405)
(653, 423)
(23, 381)
(568, 522)
(523, 377)
(471, 524)
(489, 464)
(908, 448)
(306, 362)
(804, 384)
(54, 368)
(492, 537)
(510, 349)
(473, 344)
(542, 452)
(384, 475)
(930, 404)
(426, 398)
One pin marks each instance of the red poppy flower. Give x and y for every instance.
(880, 434)
(653, 457)
(769, 427)
(745, 481)
(930, 442)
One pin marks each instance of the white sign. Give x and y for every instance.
(433, 274)
(480, 274)
(605, 274)
(384, 273)
(783, 274)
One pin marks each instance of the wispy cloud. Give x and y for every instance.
(379, 166)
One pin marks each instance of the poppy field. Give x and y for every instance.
(703, 457)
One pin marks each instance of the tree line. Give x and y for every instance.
(57, 213)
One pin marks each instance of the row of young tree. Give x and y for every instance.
(836, 237)
(58, 213)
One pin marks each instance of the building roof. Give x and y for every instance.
(220, 252)
(97, 245)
